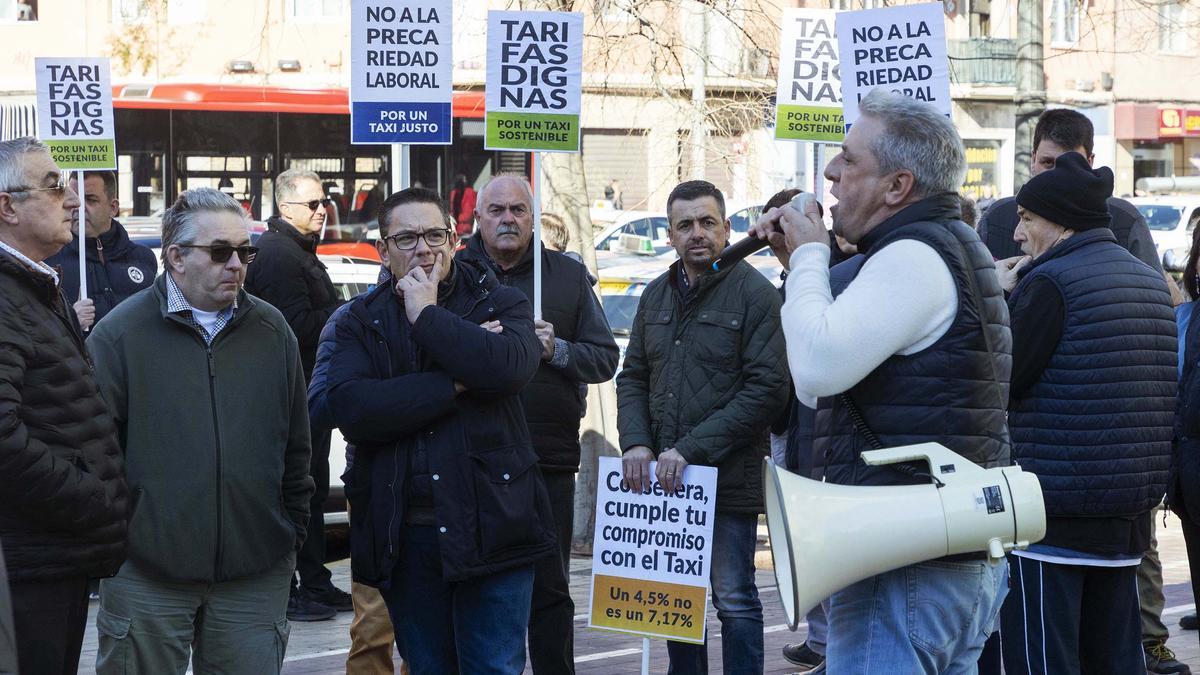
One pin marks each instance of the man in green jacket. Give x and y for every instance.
(205, 384)
(704, 376)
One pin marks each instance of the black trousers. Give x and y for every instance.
(310, 561)
(552, 612)
(49, 617)
(1071, 620)
(1191, 538)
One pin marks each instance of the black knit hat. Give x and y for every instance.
(1072, 194)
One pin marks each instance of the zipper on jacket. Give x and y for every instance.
(100, 251)
(212, 397)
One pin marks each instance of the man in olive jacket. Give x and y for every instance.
(207, 390)
(704, 376)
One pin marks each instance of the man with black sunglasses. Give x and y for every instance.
(288, 274)
(205, 385)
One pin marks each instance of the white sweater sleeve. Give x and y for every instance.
(902, 301)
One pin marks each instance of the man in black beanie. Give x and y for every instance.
(1091, 408)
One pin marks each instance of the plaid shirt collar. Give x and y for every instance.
(178, 304)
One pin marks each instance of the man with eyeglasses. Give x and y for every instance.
(577, 348)
(448, 510)
(116, 266)
(63, 498)
(288, 274)
(207, 389)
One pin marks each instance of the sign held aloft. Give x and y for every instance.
(534, 77)
(401, 71)
(901, 49)
(652, 554)
(75, 116)
(809, 94)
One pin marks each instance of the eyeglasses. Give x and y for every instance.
(312, 204)
(405, 241)
(221, 253)
(58, 188)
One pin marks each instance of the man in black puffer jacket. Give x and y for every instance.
(288, 274)
(116, 267)
(448, 512)
(63, 499)
(577, 348)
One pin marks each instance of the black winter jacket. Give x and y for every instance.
(553, 400)
(389, 387)
(116, 268)
(1183, 488)
(288, 274)
(63, 498)
(707, 377)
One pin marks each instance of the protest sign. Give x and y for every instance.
(401, 71)
(902, 49)
(533, 81)
(809, 94)
(75, 117)
(652, 554)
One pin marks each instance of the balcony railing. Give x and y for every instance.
(983, 61)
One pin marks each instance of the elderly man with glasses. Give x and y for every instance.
(207, 390)
(449, 512)
(63, 499)
(288, 274)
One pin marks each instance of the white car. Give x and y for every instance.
(1171, 219)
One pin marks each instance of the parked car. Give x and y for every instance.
(1171, 219)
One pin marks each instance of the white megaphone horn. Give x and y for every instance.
(825, 537)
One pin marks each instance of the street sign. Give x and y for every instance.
(901, 48)
(652, 553)
(401, 71)
(534, 81)
(809, 94)
(75, 117)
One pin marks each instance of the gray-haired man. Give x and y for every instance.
(923, 350)
(208, 393)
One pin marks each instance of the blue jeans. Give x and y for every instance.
(736, 598)
(472, 626)
(932, 617)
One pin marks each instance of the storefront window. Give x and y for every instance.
(983, 169)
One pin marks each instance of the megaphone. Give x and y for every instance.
(825, 537)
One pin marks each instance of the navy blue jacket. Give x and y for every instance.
(390, 388)
(116, 268)
(1183, 488)
(1096, 426)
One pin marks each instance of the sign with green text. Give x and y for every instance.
(534, 81)
(809, 94)
(75, 115)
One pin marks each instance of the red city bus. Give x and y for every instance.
(237, 138)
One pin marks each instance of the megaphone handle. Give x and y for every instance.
(860, 423)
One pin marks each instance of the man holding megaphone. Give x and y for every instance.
(923, 352)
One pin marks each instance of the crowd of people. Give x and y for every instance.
(169, 433)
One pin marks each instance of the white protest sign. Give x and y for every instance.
(534, 78)
(75, 116)
(809, 94)
(401, 65)
(652, 553)
(902, 49)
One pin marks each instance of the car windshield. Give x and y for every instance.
(741, 221)
(1160, 216)
(620, 310)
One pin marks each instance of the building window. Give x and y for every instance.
(317, 9)
(1172, 33)
(1064, 21)
(18, 10)
(130, 11)
(614, 10)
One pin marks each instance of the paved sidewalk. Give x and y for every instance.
(320, 648)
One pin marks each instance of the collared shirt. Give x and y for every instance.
(39, 267)
(178, 304)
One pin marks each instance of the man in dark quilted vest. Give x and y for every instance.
(922, 349)
(1093, 397)
(702, 381)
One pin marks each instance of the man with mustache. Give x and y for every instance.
(577, 348)
(704, 377)
(205, 384)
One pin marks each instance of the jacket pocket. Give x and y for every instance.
(506, 490)
(719, 337)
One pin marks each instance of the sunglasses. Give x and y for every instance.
(221, 253)
(58, 188)
(312, 204)
(404, 241)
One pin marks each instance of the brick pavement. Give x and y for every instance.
(320, 648)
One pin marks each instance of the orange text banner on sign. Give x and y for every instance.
(651, 608)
